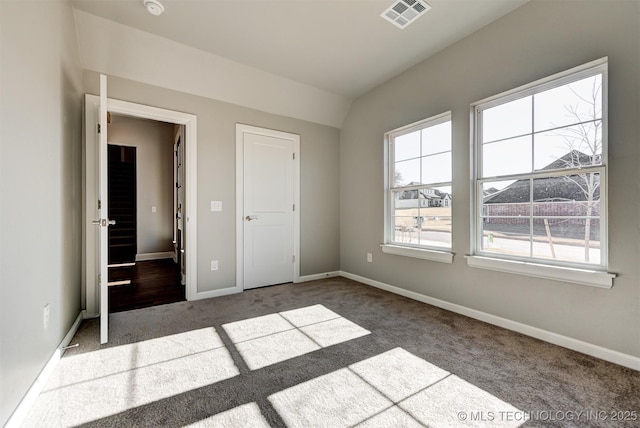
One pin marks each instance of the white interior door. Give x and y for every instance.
(268, 210)
(103, 221)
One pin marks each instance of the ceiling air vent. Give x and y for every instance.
(403, 12)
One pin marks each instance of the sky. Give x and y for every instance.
(520, 136)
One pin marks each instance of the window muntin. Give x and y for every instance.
(541, 171)
(419, 195)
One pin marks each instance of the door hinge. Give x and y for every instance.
(98, 128)
(99, 278)
(293, 258)
(99, 204)
(294, 155)
(294, 207)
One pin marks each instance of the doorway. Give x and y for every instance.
(143, 267)
(91, 292)
(267, 197)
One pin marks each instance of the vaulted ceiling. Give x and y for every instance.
(339, 48)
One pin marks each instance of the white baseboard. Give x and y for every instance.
(154, 256)
(216, 293)
(18, 416)
(317, 276)
(606, 354)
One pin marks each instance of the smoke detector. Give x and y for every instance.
(154, 7)
(403, 12)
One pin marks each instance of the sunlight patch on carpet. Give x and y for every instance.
(398, 374)
(338, 399)
(444, 402)
(104, 362)
(247, 415)
(395, 388)
(98, 384)
(275, 348)
(271, 339)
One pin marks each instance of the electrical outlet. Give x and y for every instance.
(46, 316)
(214, 265)
(216, 205)
(154, 209)
(370, 257)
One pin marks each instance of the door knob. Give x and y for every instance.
(251, 217)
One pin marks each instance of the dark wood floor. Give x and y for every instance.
(154, 282)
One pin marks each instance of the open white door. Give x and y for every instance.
(103, 222)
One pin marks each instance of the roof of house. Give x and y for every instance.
(549, 189)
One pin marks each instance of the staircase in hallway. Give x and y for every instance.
(122, 204)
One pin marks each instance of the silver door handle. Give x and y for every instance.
(96, 222)
(251, 217)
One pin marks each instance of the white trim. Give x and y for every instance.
(17, 418)
(190, 123)
(418, 253)
(155, 256)
(606, 354)
(217, 293)
(295, 139)
(537, 270)
(317, 276)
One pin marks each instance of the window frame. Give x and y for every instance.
(425, 252)
(515, 263)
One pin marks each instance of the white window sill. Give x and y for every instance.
(558, 273)
(418, 253)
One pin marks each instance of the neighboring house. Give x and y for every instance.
(423, 198)
(551, 189)
(552, 196)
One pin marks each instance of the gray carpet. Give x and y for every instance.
(327, 353)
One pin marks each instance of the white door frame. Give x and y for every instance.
(242, 129)
(90, 190)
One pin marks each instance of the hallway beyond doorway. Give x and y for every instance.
(153, 282)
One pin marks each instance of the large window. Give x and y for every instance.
(419, 185)
(540, 171)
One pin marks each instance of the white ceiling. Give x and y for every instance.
(340, 46)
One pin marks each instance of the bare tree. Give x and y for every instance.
(584, 143)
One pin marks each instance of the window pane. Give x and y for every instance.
(575, 195)
(567, 239)
(405, 211)
(436, 168)
(436, 139)
(423, 216)
(569, 147)
(510, 236)
(407, 173)
(435, 210)
(569, 104)
(507, 120)
(500, 193)
(407, 146)
(405, 230)
(506, 157)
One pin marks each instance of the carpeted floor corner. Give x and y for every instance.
(327, 353)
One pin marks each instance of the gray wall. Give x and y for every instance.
(319, 147)
(154, 174)
(40, 189)
(534, 41)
